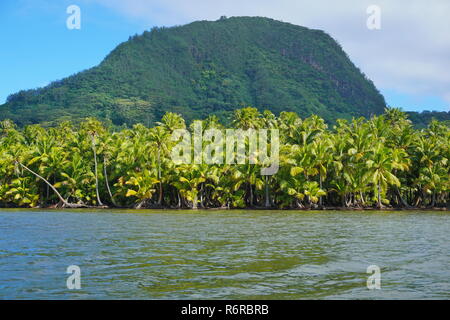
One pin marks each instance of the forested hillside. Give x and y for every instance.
(206, 68)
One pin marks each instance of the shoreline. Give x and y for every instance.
(234, 209)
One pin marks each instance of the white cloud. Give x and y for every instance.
(410, 54)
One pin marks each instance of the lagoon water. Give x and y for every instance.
(224, 254)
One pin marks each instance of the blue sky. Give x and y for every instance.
(37, 48)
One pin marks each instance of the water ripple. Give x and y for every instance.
(223, 255)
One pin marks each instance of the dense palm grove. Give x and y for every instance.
(381, 162)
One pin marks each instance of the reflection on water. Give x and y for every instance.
(224, 255)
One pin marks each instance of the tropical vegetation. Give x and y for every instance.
(363, 163)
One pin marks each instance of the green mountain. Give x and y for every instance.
(208, 68)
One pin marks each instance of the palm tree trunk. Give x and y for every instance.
(379, 195)
(65, 203)
(348, 200)
(433, 199)
(140, 204)
(202, 195)
(363, 202)
(107, 183)
(320, 186)
(194, 202)
(403, 201)
(416, 203)
(251, 194)
(267, 192)
(160, 196)
(96, 173)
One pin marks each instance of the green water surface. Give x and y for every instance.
(224, 254)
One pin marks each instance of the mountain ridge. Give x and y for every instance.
(208, 67)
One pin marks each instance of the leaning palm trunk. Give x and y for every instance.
(62, 200)
(403, 201)
(107, 183)
(140, 204)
